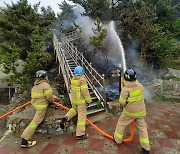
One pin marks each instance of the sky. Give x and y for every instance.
(52, 3)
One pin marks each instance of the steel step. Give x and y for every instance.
(72, 65)
(92, 104)
(93, 108)
(89, 88)
(91, 93)
(92, 111)
(94, 98)
(71, 62)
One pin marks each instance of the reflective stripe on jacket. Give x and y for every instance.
(41, 94)
(132, 98)
(79, 90)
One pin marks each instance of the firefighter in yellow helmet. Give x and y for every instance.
(133, 106)
(41, 96)
(80, 98)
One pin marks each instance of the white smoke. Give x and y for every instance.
(86, 24)
(112, 42)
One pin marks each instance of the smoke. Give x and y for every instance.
(145, 74)
(111, 49)
(147, 94)
(86, 24)
(111, 57)
(133, 57)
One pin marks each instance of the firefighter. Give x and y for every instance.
(41, 96)
(80, 98)
(133, 109)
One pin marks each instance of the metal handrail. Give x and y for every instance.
(72, 35)
(100, 97)
(79, 57)
(95, 80)
(60, 56)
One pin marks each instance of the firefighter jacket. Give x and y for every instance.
(79, 90)
(41, 95)
(132, 99)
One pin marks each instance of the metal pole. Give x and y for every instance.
(76, 55)
(119, 75)
(104, 92)
(91, 73)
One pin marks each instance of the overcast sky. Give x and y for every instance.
(52, 3)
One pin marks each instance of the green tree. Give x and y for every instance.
(166, 13)
(96, 8)
(67, 18)
(100, 34)
(24, 33)
(151, 22)
(97, 40)
(176, 28)
(138, 20)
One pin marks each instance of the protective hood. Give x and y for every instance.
(39, 82)
(78, 77)
(130, 84)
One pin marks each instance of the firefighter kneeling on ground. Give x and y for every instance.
(80, 98)
(41, 96)
(133, 106)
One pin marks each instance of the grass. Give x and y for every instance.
(99, 105)
(67, 102)
(162, 98)
(171, 62)
(176, 78)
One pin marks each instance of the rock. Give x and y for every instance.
(71, 128)
(42, 131)
(59, 131)
(166, 77)
(22, 124)
(174, 73)
(152, 89)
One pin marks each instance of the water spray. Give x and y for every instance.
(120, 46)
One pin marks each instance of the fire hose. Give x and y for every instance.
(93, 125)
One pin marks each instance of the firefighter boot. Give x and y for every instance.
(27, 144)
(82, 137)
(63, 122)
(144, 151)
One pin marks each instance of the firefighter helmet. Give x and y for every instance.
(130, 75)
(41, 74)
(78, 71)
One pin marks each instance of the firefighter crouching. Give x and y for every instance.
(41, 96)
(80, 98)
(132, 103)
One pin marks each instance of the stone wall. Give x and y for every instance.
(20, 120)
(171, 88)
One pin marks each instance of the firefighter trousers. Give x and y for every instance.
(31, 128)
(81, 110)
(142, 130)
